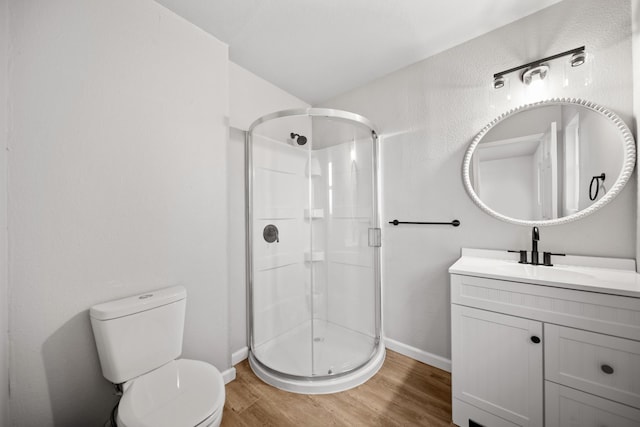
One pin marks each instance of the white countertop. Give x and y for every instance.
(594, 274)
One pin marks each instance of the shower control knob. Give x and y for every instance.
(271, 234)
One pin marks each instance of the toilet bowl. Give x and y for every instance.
(181, 393)
(139, 340)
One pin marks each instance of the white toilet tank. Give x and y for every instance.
(138, 334)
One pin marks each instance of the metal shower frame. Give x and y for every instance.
(311, 112)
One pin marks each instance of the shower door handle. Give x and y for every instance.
(375, 237)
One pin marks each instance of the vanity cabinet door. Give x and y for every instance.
(567, 407)
(497, 365)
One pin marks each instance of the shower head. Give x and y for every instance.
(300, 139)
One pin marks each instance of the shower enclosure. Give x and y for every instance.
(313, 243)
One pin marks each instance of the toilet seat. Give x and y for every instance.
(182, 393)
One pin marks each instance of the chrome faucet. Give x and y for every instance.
(535, 238)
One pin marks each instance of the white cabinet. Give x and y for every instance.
(498, 364)
(533, 354)
(568, 407)
(595, 363)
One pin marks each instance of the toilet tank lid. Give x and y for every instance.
(138, 303)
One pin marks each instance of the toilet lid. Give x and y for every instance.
(181, 393)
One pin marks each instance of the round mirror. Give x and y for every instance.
(550, 162)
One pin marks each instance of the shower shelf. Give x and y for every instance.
(313, 169)
(315, 256)
(276, 213)
(313, 213)
(271, 262)
(354, 258)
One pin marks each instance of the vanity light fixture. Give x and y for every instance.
(538, 70)
(498, 82)
(578, 58)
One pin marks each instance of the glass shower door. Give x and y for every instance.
(344, 279)
(282, 328)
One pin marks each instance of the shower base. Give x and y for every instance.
(317, 358)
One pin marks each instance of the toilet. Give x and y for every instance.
(139, 340)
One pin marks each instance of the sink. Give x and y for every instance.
(555, 273)
(595, 274)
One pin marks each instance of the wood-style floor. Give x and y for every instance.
(403, 393)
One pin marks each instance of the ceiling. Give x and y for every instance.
(317, 49)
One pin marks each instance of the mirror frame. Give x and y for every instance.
(628, 163)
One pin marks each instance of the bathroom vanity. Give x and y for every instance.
(535, 345)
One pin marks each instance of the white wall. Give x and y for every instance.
(117, 186)
(507, 185)
(236, 250)
(4, 302)
(428, 114)
(250, 97)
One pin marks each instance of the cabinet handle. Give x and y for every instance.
(607, 369)
(535, 339)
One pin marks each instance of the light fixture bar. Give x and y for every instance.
(539, 61)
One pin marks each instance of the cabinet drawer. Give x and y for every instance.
(598, 364)
(607, 314)
(566, 407)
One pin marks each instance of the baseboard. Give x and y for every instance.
(239, 356)
(229, 375)
(419, 355)
(404, 349)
